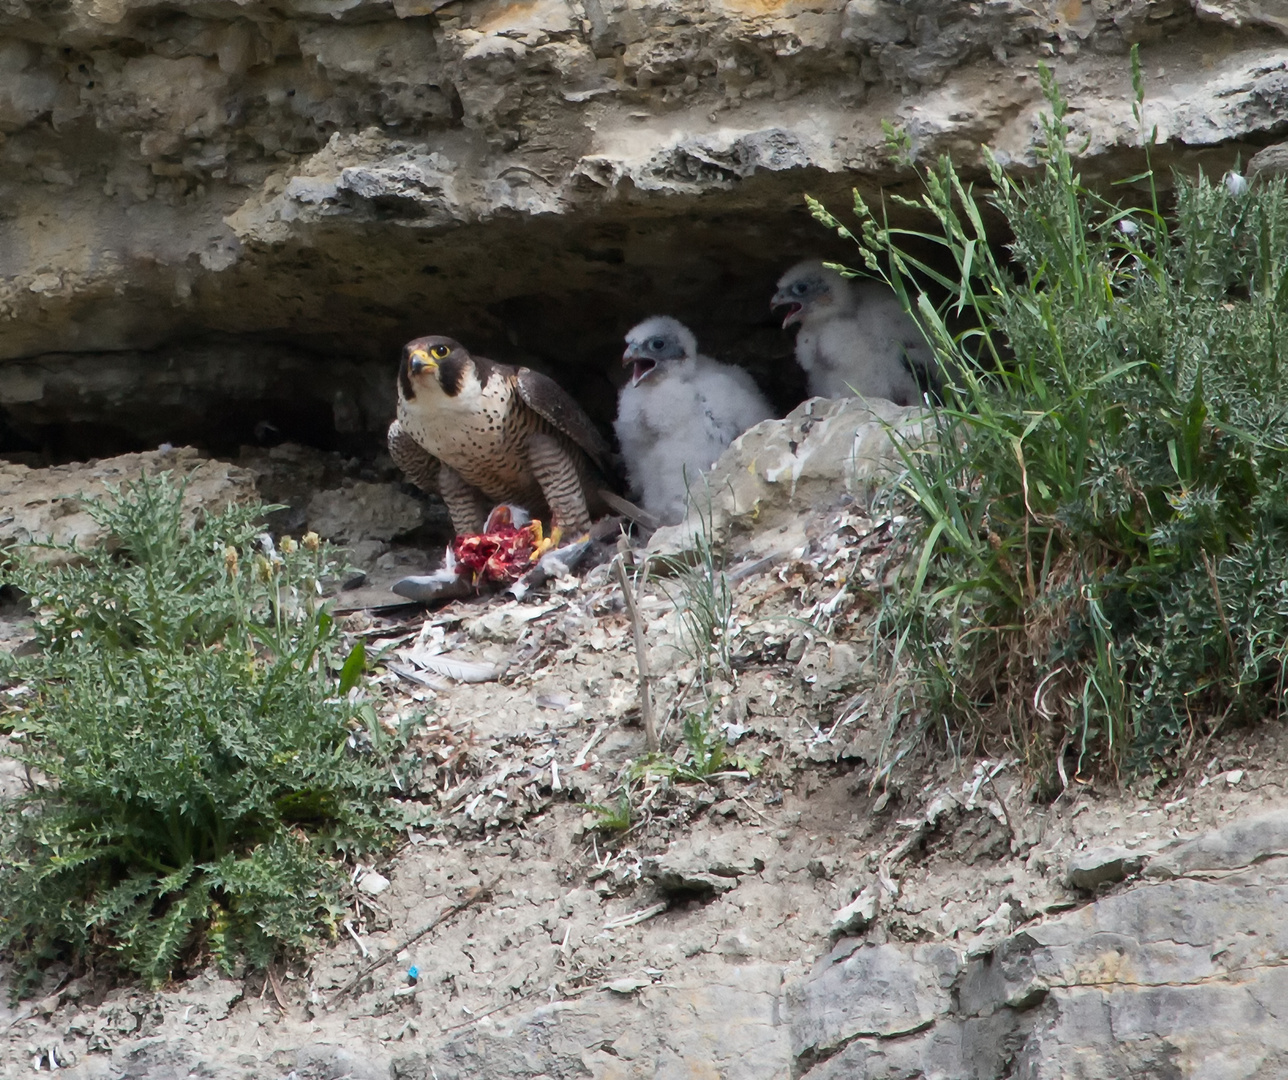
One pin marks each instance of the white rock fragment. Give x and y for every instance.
(857, 915)
(373, 883)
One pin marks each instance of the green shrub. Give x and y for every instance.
(195, 781)
(1105, 556)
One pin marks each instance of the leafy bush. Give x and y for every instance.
(194, 782)
(1105, 557)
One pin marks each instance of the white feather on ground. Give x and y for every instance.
(854, 337)
(678, 414)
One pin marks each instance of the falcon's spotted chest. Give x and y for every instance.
(482, 433)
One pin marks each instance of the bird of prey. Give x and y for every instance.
(855, 337)
(678, 413)
(481, 433)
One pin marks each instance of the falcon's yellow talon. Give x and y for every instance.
(544, 545)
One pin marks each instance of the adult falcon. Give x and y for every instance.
(481, 433)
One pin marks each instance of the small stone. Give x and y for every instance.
(372, 883)
(1090, 869)
(45, 283)
(1233, 777)
(857, 915)
(628, 984)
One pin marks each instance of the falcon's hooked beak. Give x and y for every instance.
(795, 307)
(420, 361)
(641, 366)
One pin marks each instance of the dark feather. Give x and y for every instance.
(551, 401)
(452, 370)
(404, 374)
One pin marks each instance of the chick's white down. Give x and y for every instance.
(854, 337)
(677, 414)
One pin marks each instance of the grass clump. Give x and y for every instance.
(702, 754)
(194, 779)
(1105, 555)
(696, 583)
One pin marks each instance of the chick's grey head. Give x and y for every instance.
(657, 342)
(810, 288)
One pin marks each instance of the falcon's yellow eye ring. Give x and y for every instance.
(439, 351)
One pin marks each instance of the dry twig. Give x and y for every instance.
(641, 657)
(472, 897)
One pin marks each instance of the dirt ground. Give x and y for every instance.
(747, 865)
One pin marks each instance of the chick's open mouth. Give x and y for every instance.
(640, 370)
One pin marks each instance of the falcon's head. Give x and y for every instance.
(438, 365)
(660, 340)
(810, 288)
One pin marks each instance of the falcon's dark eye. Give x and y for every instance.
(439, 351)
(800, 288)
(657, 344)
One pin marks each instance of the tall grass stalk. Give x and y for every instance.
(1104, 562)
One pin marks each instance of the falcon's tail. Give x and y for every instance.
(628, 509)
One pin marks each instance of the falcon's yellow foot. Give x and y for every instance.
(545, 544)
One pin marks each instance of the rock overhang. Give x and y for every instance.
(332, 178)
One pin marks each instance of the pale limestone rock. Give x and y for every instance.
(361, 510)
(304, 169)
(708, 863)
(822, 451)
(1089, 869)
(48, 505)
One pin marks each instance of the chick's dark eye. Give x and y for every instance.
(439, 351)
(657, 344)
(800, 289)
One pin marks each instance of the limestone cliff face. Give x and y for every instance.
(328, 177)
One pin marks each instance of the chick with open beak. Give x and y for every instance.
(677, 414)
(658, 341)
(855, 337)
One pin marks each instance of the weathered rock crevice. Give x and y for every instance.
(1147, 974)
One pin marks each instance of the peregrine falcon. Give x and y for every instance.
(481, 433)
(855, 337)
(678, 413)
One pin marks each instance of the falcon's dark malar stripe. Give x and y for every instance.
(451, 373)
(404, 375)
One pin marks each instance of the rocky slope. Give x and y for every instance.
(831, 895)
(234, 212)
(217, 223)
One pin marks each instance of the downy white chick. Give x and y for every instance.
(854, 337)
(678, 413)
